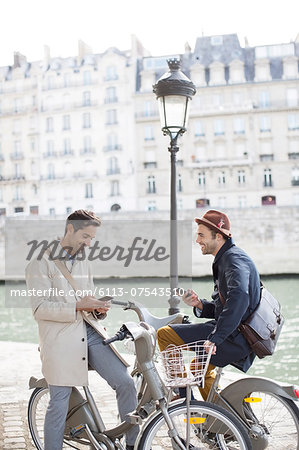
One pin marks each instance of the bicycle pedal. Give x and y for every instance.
(133, 419)
(77, 430)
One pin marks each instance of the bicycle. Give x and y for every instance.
(266, 408)
(179, 426)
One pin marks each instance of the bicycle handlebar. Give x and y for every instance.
(117, 302)
(119, 336)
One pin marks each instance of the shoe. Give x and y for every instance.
(129, 447)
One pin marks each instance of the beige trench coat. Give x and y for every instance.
(62, 332)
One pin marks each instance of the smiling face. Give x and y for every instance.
(210, 242)
(78, 240)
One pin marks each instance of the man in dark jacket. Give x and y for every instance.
(236, 294)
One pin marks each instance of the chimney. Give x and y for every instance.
(19, 60)
(83, 50)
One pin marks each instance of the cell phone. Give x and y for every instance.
(180, 292)
(106, 298)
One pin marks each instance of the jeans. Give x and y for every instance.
(108, 366)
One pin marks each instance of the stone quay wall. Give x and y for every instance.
(269, 234)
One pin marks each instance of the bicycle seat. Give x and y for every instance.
(156, 322)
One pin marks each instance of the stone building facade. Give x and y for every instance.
(84, 131)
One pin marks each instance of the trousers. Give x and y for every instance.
(166, 336)
(102, 359)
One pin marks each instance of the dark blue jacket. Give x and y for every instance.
(237, 278)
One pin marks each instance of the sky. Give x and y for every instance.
(162, 26)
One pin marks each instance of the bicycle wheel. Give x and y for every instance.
(37, 407)
(278, 416)
(211, 428)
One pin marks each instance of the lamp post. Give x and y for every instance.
(174, 91)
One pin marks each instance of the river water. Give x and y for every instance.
(17, 324)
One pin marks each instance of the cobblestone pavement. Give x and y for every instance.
(20, 361)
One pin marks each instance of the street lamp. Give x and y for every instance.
(174, 91)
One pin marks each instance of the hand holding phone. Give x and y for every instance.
(105, 304)
(190, 297)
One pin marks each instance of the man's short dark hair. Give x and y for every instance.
(213, 232)
(81, 219)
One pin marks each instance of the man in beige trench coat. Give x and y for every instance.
(70, 334)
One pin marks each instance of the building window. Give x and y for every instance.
(269, 200)
(265, 124)
(17, 168)
(86, 77)
(112, 141)
(34, 188)
(179, 183)
(33, 209)
(17, 105)
(66, 122)
(151, 205)
(86, 144)
(67, 149)
(115, 207)
(292, 97)
(86, 119)
(293, 122)
(18, 193)
(112, 167)
(52, 211)
(199, 129)
(219, 127)
(111, 117)
(221, 178)
(2, 211)
(295, 176)
(88, 190)
(19, 209)
(114, 187)
(111, 73)
(202, 202)
(66, 79)
(239, 125)
(110, 95)
(151, 185)
(67, 170)
(264, 100)
(242, 201)
(148, 109)
(17, 149)
(68, 210)
(220, 151)
(241, 177)
(50, 148)
(86, 98)
(217, 99)
(202, 179)
(149, 133)
(268, 177)
(237, 98)
(49, 124)
(32, 145)
(51, 171)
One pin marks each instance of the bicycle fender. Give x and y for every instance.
(35, 383)
(235, 392)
